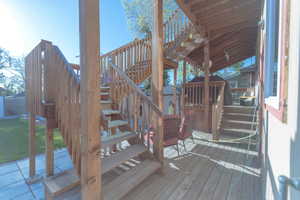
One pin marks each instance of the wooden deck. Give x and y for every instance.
(206, 171)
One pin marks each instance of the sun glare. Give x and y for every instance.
(11, 33)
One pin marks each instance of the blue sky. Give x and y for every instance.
(25, 22)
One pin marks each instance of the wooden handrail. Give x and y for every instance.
(134, 87)
(128, 45)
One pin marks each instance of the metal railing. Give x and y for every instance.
(284, 183)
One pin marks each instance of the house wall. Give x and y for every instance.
(282, 139)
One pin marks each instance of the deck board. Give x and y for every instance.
(211, 171)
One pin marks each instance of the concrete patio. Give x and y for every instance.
(14, 177)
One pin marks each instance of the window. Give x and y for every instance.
(276, 46)
(272, 80)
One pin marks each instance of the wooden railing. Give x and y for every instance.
(129, 58)
(34, 69)
(193, 93)
(140, 72)
(217, 113)
(176, 27)
(134, 58)
(137, 107)
(51, 80)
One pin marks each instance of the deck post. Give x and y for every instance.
(49, 151)
(90, 102)
(175, 91)
(157, 74)
(206, 85)
(182, 96)
(32, 142)
(184, 72)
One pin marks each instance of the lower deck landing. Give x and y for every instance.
(208, 171)
(205, 171)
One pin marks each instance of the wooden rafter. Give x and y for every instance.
(231, 26)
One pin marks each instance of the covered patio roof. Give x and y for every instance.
(230, 26)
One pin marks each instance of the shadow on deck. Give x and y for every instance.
(206, 171)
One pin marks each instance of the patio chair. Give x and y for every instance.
(184, 133)
(171, 128)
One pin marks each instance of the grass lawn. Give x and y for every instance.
(14, 139)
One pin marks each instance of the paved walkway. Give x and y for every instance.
(13, 176)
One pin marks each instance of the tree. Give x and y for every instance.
(139, 18)
(12, 73)
(190, 72)
(4, 63)
(4, 58)
(17, 80)
(139, 15)
(237, 66)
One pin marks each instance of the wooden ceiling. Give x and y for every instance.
(230, 25)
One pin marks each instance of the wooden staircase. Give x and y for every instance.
(240, 122)
(134, 58)
(126, 113)
(59, 102)
(125, 160)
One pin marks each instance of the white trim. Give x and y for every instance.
(272, 101)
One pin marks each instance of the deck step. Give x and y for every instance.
(238, 116)
(110, 112)
(117, 123)
(105, 101)
(119, 187)
(237, 132)
(104, 87)
(61, 183)
(118, 158)
(239, 124)
(239, 109)
(104, 93)
(114, 139)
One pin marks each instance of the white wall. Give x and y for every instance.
(283, 139)
(278, 153)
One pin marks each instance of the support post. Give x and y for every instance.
(206, 85)
(182, 98)
(90, 102)
(157, 74)
(32, 150)
(184, 72)
(175, 91)
(49, 151)
(49, 114)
